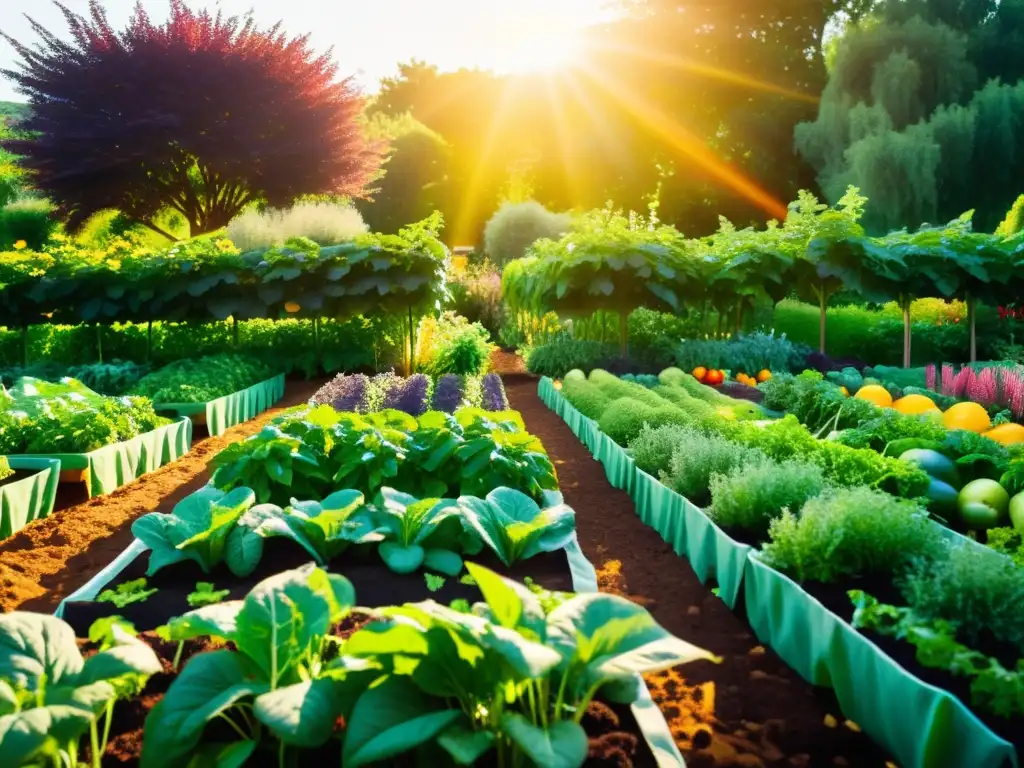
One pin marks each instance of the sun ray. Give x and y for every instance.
(687, 143)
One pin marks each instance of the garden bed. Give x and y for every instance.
(28, 494)
(749, 710)
(820, 645)
(225, 412)
(49, 559)
(108, 468)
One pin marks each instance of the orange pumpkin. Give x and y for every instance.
(700, 373)
(714, 378)
(764, 375)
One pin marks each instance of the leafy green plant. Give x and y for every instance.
(994, 688)
(452, 344)
(515, 527)
(271, 463)
(748, 353)
(850, 533)
(533, 676)
(419, 532)
(203, 379)
(587, 398)
(699, 456)
(749, 497)
(978, 592)
(625, 417)
(281, 681)
(499, 458)
(563, 354)
(51, 697)
(122, 595)
(67, 417)
(197, 529)
(205, 594)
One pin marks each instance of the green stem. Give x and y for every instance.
(234, 725)
(106, 725)
(280, 755)
(149, 341)
(560, 698)
(581, 709)
(99, 342)
(177, 656)
(94, 743)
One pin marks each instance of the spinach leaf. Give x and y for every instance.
(513, 525)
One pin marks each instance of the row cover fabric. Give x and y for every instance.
(110, 467)
(30, 498)
(920, 725)
(231, 410)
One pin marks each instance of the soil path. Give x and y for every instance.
(49, 559)
(750, 710)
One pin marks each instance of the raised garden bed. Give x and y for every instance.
(635, 735)
(225, 412)
(108, 468)
(922, 725)
(28, 494)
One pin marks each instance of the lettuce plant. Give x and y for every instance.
(510, 676)
(515, 527)
(501, 458)
(279, 682)
(419, 532)
(270, 462)
(197, 529)
(50, 697)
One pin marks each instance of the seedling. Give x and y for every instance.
(205, 594)
(127, 593)
(434, 582)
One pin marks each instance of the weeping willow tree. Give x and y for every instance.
(922, 116)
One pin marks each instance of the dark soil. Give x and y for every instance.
(615, 740)
(374, 583)
(750, 710)
(49, 559)
(903, 653)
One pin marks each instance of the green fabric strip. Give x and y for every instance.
(110, 467)
(30, 498)
(231, 410)
(920, 725)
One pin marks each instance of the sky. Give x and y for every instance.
(369, 37)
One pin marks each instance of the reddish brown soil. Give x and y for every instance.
(49, 559)
(507, 362)
(749, 710)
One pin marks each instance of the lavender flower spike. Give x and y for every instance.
(448, 393)
(494, 398)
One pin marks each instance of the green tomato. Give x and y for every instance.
(1017, 512)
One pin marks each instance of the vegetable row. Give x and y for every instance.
(414, 395)
(835, 518)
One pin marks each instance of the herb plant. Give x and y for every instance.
(699, 456)
(853, 532)
(202, 379)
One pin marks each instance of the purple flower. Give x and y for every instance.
(448, 393)
(409, 396)
(494, 398)
(343, 393)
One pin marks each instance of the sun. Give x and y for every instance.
(539, 51)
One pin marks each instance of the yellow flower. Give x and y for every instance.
(57, 237)
(19, 244)
(225, 245)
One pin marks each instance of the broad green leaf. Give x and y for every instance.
(390, 719)
(8, 698)
(34, 646)
(563, 745)
(443, 561)
(464, 745)
(402, 559)
(505, 603)
(125, 664)
(516, 505)
(209, 684)
(32, 733)
(232, 755)
(283, 615)
(302, 714)
(612, 637)
(217, 620)
(92, 697)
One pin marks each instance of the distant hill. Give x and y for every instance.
(13, 110)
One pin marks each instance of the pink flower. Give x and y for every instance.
(929, 376)
(1013, 392)
(982, 388)
(948, 378)
(962, 382)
